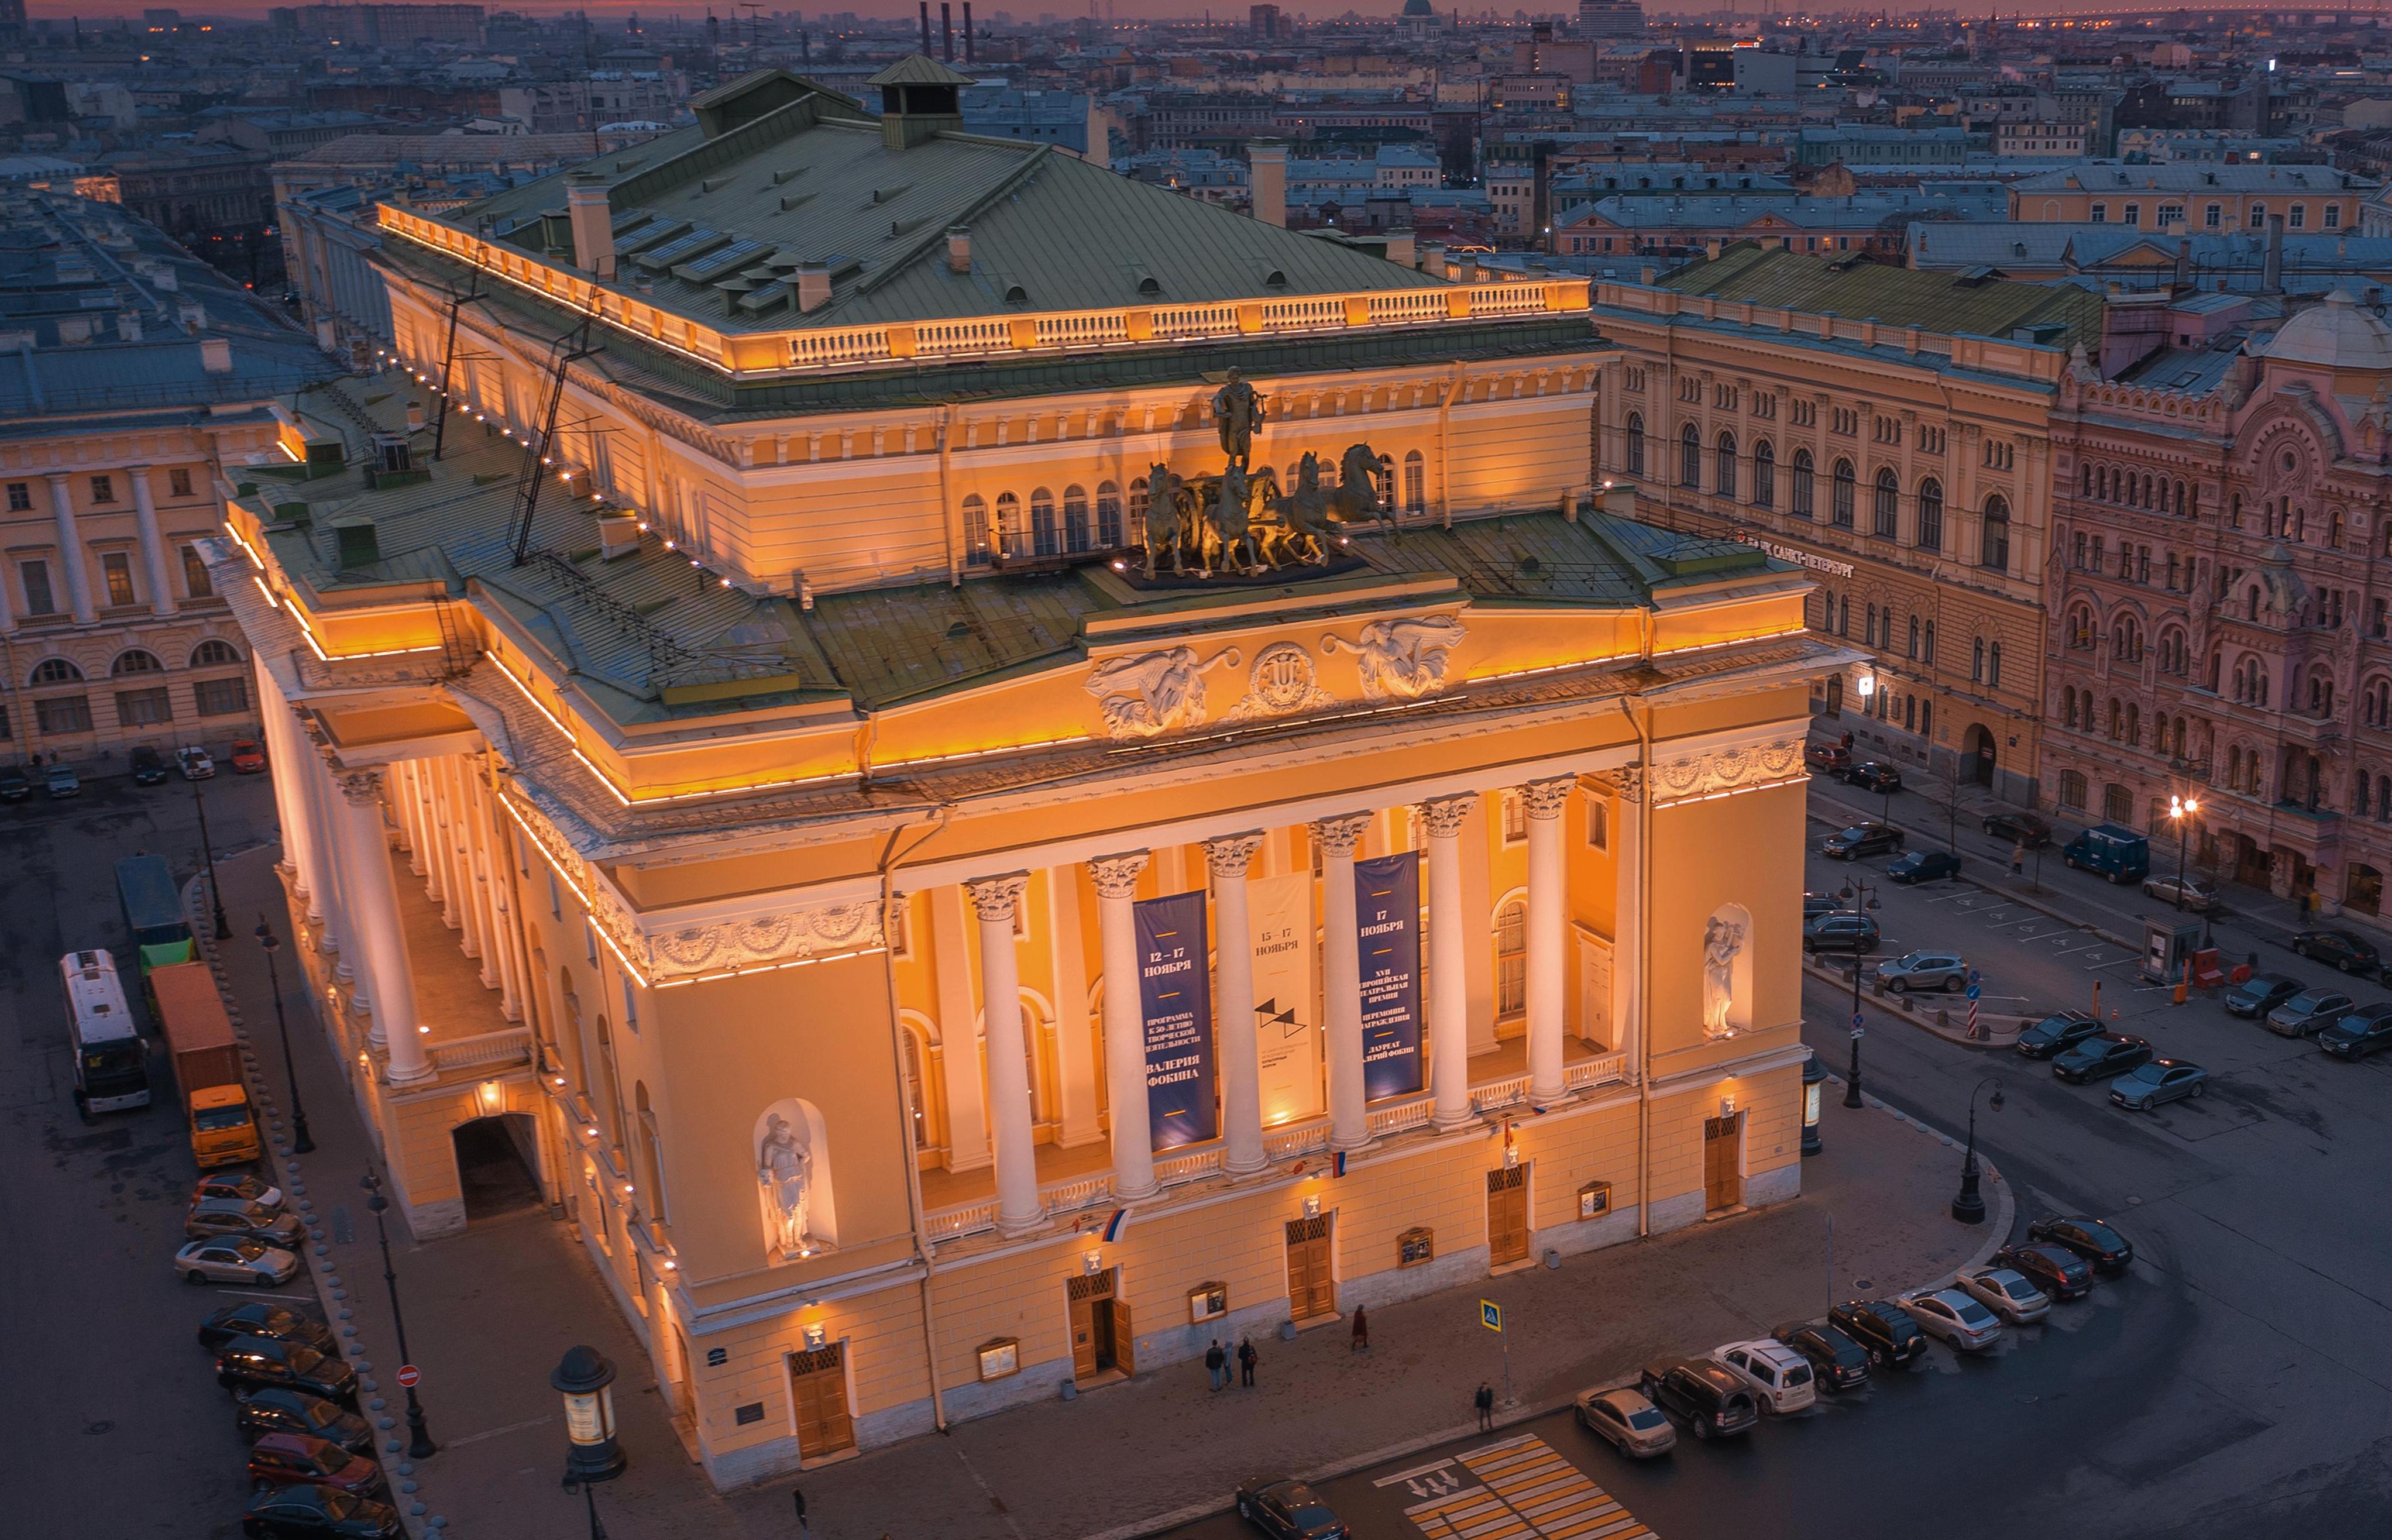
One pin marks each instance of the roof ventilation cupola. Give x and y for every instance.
(918, 100)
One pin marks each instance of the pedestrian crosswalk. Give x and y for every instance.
(1529, 1493)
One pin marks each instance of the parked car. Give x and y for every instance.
(2113, 849)
(2015, 827)
(1841, 931)
(2054, 1269)
(1837, 1362)
(234, 1259)
(148, 765)
(61, 783)
(194, 762)
(2090, 1238)
(1871, 775)
(248, 757)
(2145, 1087)
(258, 1412)
(2199, 897)
(2350, 953)
(2100, 1057)
(238, 1184)
(312, 1512)
(1956, 1317)
(2362, 1032)
(230, 1216)
(2261, 992)
(1628, 1422)
(2006, 1291)
(1862, 839)
(1779, 1378)
(289, 1459)
(15, 784)
(264, 1318)
(1830, 758)
(1816, 904)
(1711, 1401)
(2055, 1033)
(1288, 1510)
(261, 1363)
(2308, 1011)
(1884, 1329)
(1923, 866)
(1923, 970)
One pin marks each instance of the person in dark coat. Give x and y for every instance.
(1361, 1331)
(1247, 1357)
(1485, 1402)
(1216, 1364)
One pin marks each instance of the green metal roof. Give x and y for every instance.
(1945, 303)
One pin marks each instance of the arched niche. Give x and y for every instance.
(793, 1180)
(1727, 972)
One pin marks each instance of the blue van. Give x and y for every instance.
(2113, 849)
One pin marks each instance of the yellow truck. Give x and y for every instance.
(206, 1060)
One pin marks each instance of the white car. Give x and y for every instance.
(2007, 1292)
(194, 762)
(1956, 1317)
(234, 1259)
(1780, 1378)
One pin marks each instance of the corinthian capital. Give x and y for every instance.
(360, 788)
(996, 898)
(1444, 816)
(1547, 798)
(1116, 876)
(1340, 836)
(1228, 855)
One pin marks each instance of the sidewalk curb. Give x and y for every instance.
(1959, 1039)
(2005, 1205)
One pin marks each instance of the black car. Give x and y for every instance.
(1288, 1510)
(1923, 866)
(2018, 827)
(2100, 1057)
(2050, 1267)
(1885, 1330)
(263, 1363)
(1840, 930)
(1702, 1394)
(1816, 904)
(304, 1511)
(2350, 953)
(1870, 775)
(15, 784)
(2261, 992)
(263, 1318)
(1837, 1362)
(2055, 1033)
(2362, 1032)
(258, 1413)
(149, 766)
(2090, 1238)
(1861, 840)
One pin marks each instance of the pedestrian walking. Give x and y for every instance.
(1247, 1357)
(2018, 857)
(803, 1528)
(1485, 1402)
(1216, 1364)
(1361, 1331)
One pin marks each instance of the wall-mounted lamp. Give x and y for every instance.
(492, 1098)
(815, 1334)
(1312, 1206)
(1865, 685)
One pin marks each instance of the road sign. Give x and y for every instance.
(1975, 978)
(1491, 1315)
(1976, 991)
(1856, 1021)
(409, 1376)
(1859, 1032)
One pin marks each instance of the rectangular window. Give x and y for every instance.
(116, 568)
(1515, 819)
(556, 900)
(589, 940)
(2212, 216)
(21, 497)
(2300, 218)
(2100, 213)
(1598, 825)
(630, 1004)
(2171, 214)
(195, 575)
(2134, 215)
(103, 490)
(36, 577)
(221, 697)
(143, 707)
(178, 483)
(2334, 216)
(69, 715)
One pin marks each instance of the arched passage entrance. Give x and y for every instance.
(497, 1165)
(1977, 756)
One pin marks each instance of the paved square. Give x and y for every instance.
(1528, 1491)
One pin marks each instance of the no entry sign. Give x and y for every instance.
(409, 1376)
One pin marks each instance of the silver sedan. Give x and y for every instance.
(2007, 1292)
(1628, 1422)
(1923, 970)
(234, 1259)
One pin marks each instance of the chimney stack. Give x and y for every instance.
(959, 249)
(216, 354)
(2271, 277)
(593, 223)
(814, 286)
(968, 32)
(947, 29)
(1267, 180)
(925, 26)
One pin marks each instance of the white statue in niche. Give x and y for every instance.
(784, 1167)
(1723, 943)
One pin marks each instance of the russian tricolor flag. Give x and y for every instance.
(1115, 1225)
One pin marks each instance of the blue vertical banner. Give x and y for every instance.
(1175, 1001)
(1387, 915)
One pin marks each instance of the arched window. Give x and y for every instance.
(56, 671)
(1109, 512)
(1723, 468)
(1996, 542)
(1636, 444)
(1977, 661)
(2080, 629)
(2321, 695)
(1914, 636)
(1511, 958)
(1137, 505)
(1931, 514)
(1927, 653)
(1415, 483)
(975, 531)
(1840, 514)
(1044, 540)
(1801, 493)
(610, 1092)
(1994, 664)
(213, 653)
(650, 1156)
(1076, 518)
(2087, 490)
(136, 661)
(1690, 457)
(2134, 723)
(1012, 538)
(2126, 640)
(1764, 475)
(1887, 505)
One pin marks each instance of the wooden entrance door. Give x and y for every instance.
(1092, 1323)
(1310, 1290)
(1507, 1215)
(818, 1388)
(1722, 1182)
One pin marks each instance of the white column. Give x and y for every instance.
(427, 823)
(477, 860)
(452, 883)
(1627, 945)
(495, 873)
(959, 1040)
(1233, 1005)
(154, 546)
(285, 766)
(506, 896)
(1448, 991)
(404, 793)
(1076, 1045)
(70, 551)
(1341, 980)
(1116, 880)
(342, 939)
(367, 852)
(994, 900)
(1548, 906)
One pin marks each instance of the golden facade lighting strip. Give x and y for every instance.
(770, 967)
(1734, 641)
(588, 908)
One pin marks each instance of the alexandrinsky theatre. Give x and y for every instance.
(994, 773)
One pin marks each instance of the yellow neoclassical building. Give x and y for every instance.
(730, 745)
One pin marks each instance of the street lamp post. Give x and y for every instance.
(208, 855)
(300, 1141)
(419, 1441)
(2181, 809)
(585, 1377)
(1858, 892)
(1969, 1207)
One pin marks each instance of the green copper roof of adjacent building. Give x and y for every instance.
(1952, 303)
